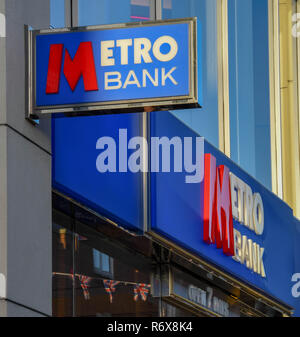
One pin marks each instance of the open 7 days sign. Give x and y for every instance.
(123, 67)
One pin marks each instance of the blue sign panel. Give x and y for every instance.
(113, 67)
(116, 195)
(269, 256)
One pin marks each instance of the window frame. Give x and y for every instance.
(99, 270)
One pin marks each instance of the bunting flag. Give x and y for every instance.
(109, 286)
(84, 283)
(141, 289)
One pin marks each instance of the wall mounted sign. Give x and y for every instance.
(228, 219)
(114, 68)
(116, 195)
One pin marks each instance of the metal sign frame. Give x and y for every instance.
(105, 107)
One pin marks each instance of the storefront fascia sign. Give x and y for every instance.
(113, 68)
(229, 220)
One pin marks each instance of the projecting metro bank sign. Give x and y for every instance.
(123, 67)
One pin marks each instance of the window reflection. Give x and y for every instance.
(62, 280)
(102, 263)
(101, 270)
(203, 121)
(249, 87)
(95, 12)
(92, 277)
(57, 13)
(140, 10)
(115, 286)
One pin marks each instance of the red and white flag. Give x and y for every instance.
(84, 283)
(109, 286)
(142, 290)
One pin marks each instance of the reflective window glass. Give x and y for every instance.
(57, 13)
(94, 276)
(125, 292)
(95, 12)
(101, 270)
(249, 87)
(204, 121)
(102, 262)
(62, 278)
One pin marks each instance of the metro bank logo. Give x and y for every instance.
(95, 67)
(83, 65)
(226, 197)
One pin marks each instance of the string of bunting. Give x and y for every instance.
(140, 290)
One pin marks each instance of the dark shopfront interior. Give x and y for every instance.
(149, 277)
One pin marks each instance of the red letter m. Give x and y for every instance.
(217, 219)
(83, 64)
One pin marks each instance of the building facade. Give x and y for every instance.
(122, 244)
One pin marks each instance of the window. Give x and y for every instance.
(57, 13)
(248, 54)
(95, 272)
(102, 263)
(95, 12)
(62, 258)
(140, 10)
(204, 121)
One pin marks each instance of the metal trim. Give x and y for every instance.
(188, 305)
(133, 105)
(146, 175)
(223, 74)
(74, 13)
(28, 75)
(275, 98)
(68, 15)
(158, 9)
(86, 208)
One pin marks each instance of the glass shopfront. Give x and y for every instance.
(97, 269)
(102, 270)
